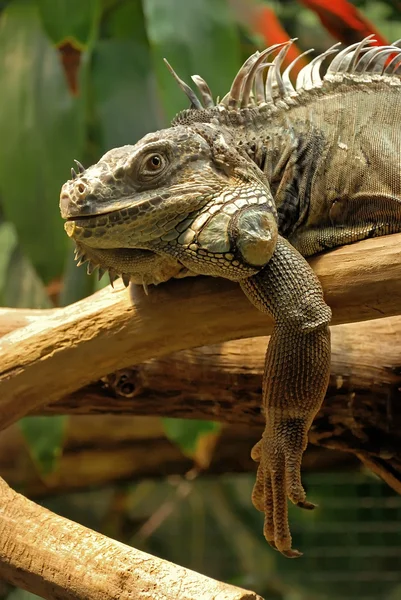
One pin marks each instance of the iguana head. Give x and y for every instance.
(180, 200)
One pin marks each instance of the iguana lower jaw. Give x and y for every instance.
(141, 267)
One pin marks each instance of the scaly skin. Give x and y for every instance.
(243, 190)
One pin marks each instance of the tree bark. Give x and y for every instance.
(56, 558)
(110, 330)
(361, 412)
(223, 381)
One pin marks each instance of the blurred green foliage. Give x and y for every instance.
(111, 52)
(44, 436)
(352, 542)
(78, 77)
(187, 433)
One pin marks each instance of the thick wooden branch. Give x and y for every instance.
(66, 349)
(361, 412)
(223, 381)
(56, 558)
(74, 346)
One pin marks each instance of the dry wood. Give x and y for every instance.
(78, 344)
(361, 412)
(87, 340)
(223, 381)
(56, 558)
(14, 318)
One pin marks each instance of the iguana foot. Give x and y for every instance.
(279, 454)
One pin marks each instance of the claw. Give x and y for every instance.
(145, 288)
(272, 544)
(292, 553)
(101, 272)
(307, 505)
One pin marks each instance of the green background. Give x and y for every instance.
(78, 77)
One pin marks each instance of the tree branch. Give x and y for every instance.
(56, 558)
(361, 412)
(222, 382)
(76, 345)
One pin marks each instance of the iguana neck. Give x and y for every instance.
(288, 154)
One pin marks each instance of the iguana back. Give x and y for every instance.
(355, 174)
(331, 148)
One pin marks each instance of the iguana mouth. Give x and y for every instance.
(83, 218)
(78, 218)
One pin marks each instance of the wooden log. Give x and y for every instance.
(111, 330)
(361, 412)
(223, 381)
(15, 318)
(56, 558)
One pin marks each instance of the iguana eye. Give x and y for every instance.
(154, 163)
(147, 168)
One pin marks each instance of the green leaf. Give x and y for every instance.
(42, 130)
(71, 21)
(126, 104)
(8, 244)
(187, 433)
(20, 286)
(195, 37)
(45, 437)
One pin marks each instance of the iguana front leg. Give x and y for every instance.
(295, 381)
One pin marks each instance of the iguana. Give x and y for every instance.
(245, 189)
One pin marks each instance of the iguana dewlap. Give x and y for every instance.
(244, 190)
